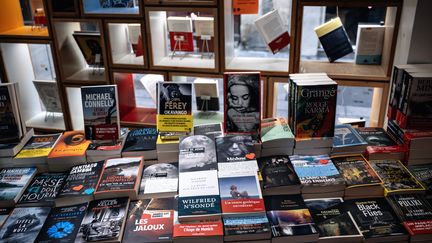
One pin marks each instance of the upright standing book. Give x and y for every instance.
(369, 45)
(24, 224)
(43, 189)
(101, 112)
(120, 178)
(273, 31)
(13, 182)
(242, 109)
(180, 32)
(206, 94)
(49, 95)
(11, 126)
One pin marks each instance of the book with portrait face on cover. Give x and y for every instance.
(242, 106)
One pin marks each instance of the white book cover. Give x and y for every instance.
(270, 26)
(237, 168)
(204, 26)
(370, 40)
(179, 24)
(49, 95)
(134, 32)
(159, 178)
(198, 183)
(206, 87)
(149, 82)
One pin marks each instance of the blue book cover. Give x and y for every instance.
(345, 135)
(13, 181)
(253, 224)
(334, 39)
(316, 170)
(141, 139)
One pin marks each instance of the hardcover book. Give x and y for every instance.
(140, 139)
(23, 224)
(317, 170)
(198, 196)
(396, 177)
(290, 219)
(375, 136)
(80, 184)
(331, 220)
(423, 174)
(247, 227)
(38, 146)
(104, 220)
(240, 194)
(242, 106)
(415, 213)
(62, 224)
(273, 31)
(174, 107)
(159, 180)
(150, 220)
(11, 129)
(278, 172)
(43, 190)
(120, 177)
(235, 148)
(376, 220)
(197, 153)
(180, 32)
(334, 39)
(49, 95)
(100, 108)
(13, 182)
(345, 135)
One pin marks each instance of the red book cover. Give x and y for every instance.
(385, 149)
(245, 7)
(200, 228)
(139, 49)
(279, 43)
(126, 91)
(181, 41)
(418, 227)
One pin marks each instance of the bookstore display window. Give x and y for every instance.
(137, 97)
(181, 38)
(31, 66)
(245, 48)
(111, 7)
(23, 18)
(175, 2)
(126, 44)
(81, 51)
(357, 102)
(371, 56)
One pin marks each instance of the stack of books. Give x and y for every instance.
(347, 140)
(276, 137)
(380, 144)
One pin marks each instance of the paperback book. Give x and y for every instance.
(49, 95)
(159, 180)
(369, 44)
(275, 131)
(13, 182)
(141, 141)
(11, 129)
(4, 214)
(242, 106)
(197, 153)
(180, 32)
(252, 227)
(347, 139)
(100, 107)
(423, 174)
(206, 94)
(42, 190)
(62, 224)
(90, 46)
(211, 130)
(23, 224)
(273, 31)
(235, 148)
(197, 231)
(38, 146)
(375, 136)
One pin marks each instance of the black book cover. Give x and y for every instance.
(9, 128)
(277, 171)
(235, 148)
(197, 153)
(140, 139)
(211, 104)
(423, 173)
(330, 218)
(374, 217)
(43, 189)
(62, 224)
(334, 39)
(24, 224)
(289, 216)
(345, 135)
(356, 170)
(375, 136)
(82, 180)
(104, 220)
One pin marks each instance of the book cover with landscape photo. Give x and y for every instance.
(197, 153)
(100, 108)
(13, 182)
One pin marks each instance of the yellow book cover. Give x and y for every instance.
(161, 141)
(38, 146)
(72, 143)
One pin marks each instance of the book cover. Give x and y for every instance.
(317, 170)
(277, 171)
(240, 7)
(174, 107)
(369, 45)
(212, 129)
(23, 224)
(331, 220)
(90, 46)
(82, 180)
(10, 130)
(150, 220)
(315, 110)
(356, 171)
(38, 146)
(62, 224)
(120, 175)
(49, 95)
(242, 106)
(104, 220)
(345, 135)
(13, 181)
(43, 189)
(334, 39)
(235, 148)
(375, 218)
(274, 129)
(396, 177)
(71, 143)
(245, 225)
(273, 31)
(159, 178)
(180, 32)
(206, 94)
(423, 174)
(375, 136)
(4, 214)
(140, 139)
(198, 193)
(197, 153)
(201, 228)
(414, 211)
(240, 194)
(289, 216)
(100, 108)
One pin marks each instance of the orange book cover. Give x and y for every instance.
(71, 143)
(245, 7)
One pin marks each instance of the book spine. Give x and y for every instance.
(391, 112)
